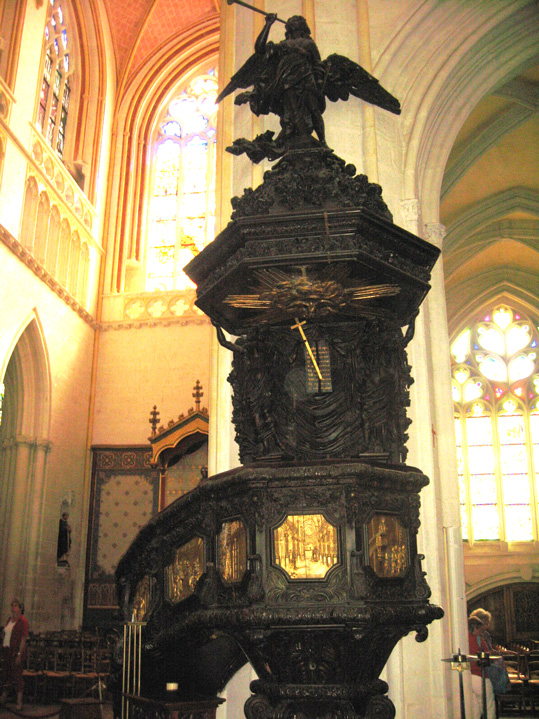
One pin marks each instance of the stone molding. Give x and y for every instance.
(44, 275)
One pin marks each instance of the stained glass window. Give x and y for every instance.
(52, 111)
(182, 206)
(496, 395)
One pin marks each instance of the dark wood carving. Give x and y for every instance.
(321, 291)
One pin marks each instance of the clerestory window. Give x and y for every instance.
(55, 92)
(496, 398)
(182, 204)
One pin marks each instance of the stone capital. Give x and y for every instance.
(435, 233)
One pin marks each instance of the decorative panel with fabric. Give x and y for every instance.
(125, 495)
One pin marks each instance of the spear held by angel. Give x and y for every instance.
(289, 79)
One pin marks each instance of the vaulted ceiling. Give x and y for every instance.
(140, 27)
(490, 200)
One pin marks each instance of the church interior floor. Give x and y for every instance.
(40, 711)
(43, 711)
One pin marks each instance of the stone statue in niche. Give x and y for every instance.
(289, 79)
(64, 541)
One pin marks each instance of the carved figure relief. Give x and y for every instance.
(277, 416)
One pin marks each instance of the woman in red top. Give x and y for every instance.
(476, 630)
(13, 650)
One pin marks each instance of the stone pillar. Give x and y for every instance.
(34, 529)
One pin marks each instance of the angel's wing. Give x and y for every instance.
(247, 75)
(343, 78)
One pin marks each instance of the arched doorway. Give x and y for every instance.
(24, 446)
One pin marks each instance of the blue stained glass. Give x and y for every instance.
(534, 344)
(198, 141)
(172, 128)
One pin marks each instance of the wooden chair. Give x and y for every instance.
(33, 669)
(58, 678)
(533, 680)
(87, 673)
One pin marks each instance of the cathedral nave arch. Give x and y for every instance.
(24, 447)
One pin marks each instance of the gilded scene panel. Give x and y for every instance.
(182, 575)
(141, 600)
(305, 546)
(232, 551)
(388, 546)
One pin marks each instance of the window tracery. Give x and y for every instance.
(495, 388)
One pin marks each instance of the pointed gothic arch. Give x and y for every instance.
(24, 446)
(145, 96)
(485, 49)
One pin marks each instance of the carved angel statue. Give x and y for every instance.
(289, 79)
